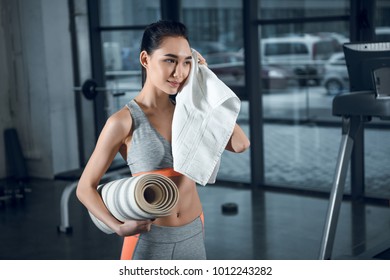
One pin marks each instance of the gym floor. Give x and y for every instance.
(272, 225)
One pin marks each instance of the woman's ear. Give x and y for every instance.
(143, 59)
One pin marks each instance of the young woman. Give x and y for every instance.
(141, 133)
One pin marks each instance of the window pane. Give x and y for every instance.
(121, 48)
(124, 12)
(303, 68)
(270, 9)
(215, 30)
(382, 21)
(122, 67)
(299, 152)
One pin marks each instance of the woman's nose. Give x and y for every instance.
(178, 73)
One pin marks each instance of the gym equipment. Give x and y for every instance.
(146, 196)
(90, 89)
(229, 208)
(16, 167)
(366, 64)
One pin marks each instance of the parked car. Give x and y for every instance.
(304, 55)
(274, 77)
(336, 79)
(382, 34)
(229, 67)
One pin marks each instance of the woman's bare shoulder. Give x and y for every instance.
(120, 122)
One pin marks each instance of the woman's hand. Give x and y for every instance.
(133, 227)
(201, 59)
(238, 142)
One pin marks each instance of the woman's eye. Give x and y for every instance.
(170, 60)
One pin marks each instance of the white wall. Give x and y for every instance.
(60, 85)
(40, 88)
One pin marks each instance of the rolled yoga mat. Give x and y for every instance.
(146, 196)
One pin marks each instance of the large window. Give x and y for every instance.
(302, 41)
(301, 136)
(301, 70)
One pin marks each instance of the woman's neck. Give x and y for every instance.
(152, 99)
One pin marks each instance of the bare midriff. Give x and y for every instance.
(188, 207)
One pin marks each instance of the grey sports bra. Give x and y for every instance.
(149, 150)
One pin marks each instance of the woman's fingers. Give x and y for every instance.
(201, 59)
(132, 227)
(144, 225)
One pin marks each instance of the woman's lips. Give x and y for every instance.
(174, 84)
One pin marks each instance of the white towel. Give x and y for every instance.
(205, 115)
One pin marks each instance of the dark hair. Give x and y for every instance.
(155, 33)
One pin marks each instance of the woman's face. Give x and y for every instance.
(168, 66)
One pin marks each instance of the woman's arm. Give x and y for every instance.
(115, 132)
(238, 142)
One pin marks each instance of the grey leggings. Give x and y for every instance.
(172, 243)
